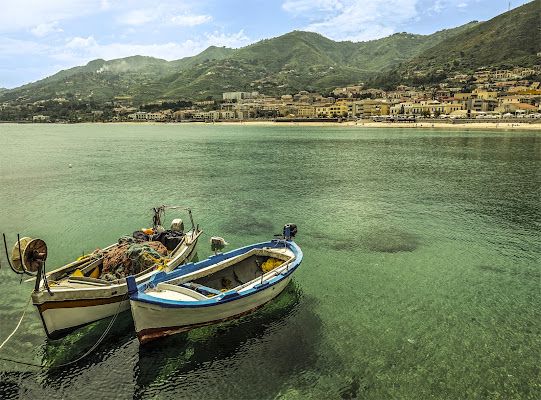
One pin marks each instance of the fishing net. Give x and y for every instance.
(270, 264)
(129, 257)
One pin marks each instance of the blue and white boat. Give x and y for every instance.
(223, 287)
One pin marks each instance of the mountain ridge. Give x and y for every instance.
(286, 64)
(502, 42)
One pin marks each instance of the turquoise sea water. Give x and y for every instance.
(421, 277)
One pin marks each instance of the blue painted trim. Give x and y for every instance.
(205, 289)
(132, 286)
(214, 259)
(232, 294)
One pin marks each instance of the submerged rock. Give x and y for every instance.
(389, 240)
(249, 226)
(491, 268)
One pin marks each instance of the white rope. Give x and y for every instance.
(100, 339)
(19, 324)
(78, 359)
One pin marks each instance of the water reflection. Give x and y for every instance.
(427, 248)
(71, 347)
(264, 347)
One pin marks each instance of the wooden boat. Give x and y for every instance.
(220, 288)
(82, 292)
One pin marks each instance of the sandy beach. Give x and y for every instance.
(405, 125)
(504, 126)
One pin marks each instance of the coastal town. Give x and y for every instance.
(493, 95)
(270, 200)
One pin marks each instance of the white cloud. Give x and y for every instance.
(11, 47)
(27, 14)
(303, 6)
(233, 40)
(44, 29)
(162, 13)
(436, 7)
(352, 19)
(190, 20)
(79, 51)
(137, 17)
(81, 43)
(441, 6)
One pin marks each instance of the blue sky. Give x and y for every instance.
(41, 37)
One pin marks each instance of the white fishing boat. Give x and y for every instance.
(220, 288)
(94, 286)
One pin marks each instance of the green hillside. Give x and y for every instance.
(290, 63)
(101, 81)
(210, 54)
(510, 39)
(384, 55)
(286, 64)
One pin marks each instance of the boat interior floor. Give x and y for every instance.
(236, 274)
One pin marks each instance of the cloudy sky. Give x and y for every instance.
(41, 37)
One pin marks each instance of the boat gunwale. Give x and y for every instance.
(68, 295)
(231, 295)
(141, 276)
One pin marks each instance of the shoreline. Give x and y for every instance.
(405, 125)
(503, 126)
(371, 124)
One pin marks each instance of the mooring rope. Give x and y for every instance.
(312, 258)
(19, 324)
(206, 234)
(101, 337)
(71, 362)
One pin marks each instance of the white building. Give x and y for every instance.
(239, 95)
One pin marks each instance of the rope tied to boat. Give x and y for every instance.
(19, 324)
(104, 334)
(206, 234)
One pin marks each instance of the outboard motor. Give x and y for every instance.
(177, 225)
(290, 230)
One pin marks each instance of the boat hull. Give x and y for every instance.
(68, 309)
(62, 318)
(153, 320)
